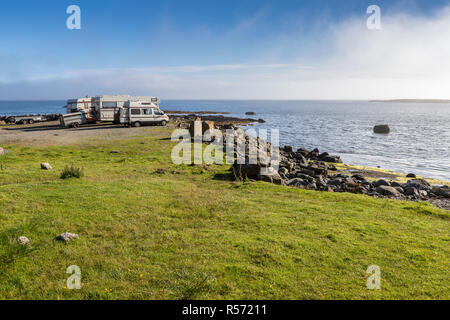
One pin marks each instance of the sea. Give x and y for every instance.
(419, 141)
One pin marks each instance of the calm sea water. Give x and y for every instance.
(419, 141)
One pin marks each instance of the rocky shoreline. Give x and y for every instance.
(315, 170)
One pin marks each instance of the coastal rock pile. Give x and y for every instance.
(313, 170)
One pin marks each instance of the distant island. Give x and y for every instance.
(414, 101)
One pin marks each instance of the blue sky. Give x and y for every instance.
(209, 49)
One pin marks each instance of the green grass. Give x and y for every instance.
(193, 234)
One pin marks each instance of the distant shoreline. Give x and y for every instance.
(414, 101)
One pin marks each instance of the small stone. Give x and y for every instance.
(161, 171)
(67, 236)
(411, 175)
(46, 166)
(23, 241)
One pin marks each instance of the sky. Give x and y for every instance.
(217, 49)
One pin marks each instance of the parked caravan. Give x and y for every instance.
(137, 113)
(107, 107)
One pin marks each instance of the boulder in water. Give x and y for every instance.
(382, 129)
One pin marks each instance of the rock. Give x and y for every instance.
(313, 154)
(296, 182)
(327, 158)
(411, 191)
(395, 184)
(358, 177)
(250, 113)
(270, 175)
(161, 171)
(261, 121)
(419, 184)
(248, 170)
(399, 189)
(443, 191)
(287, 149)
(23, 241)
(67, 236)
(411, 175)
(382, 129)
(387, 191)
(381, 182)
(201, 128)
(46, 166)
(303, 152)
(283, 171)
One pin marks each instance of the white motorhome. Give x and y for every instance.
(107, 107)
(137, 113)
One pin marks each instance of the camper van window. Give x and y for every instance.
(147, 112)
(135, 111)
(109, 104)
(158, 112)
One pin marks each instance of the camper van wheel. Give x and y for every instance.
(164, 123)
(76, 125)
(31, 121)
(137, 124)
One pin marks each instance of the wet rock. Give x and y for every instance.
(382, 129)
(411, 175)
(250, 113)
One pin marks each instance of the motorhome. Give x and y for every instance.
(137, 113)
(107, 107)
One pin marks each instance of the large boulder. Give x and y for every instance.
(382, 129)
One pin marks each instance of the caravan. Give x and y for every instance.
(137, 113)
(107, 107)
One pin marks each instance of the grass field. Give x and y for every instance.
(191, 233)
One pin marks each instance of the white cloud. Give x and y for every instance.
(407, 58)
